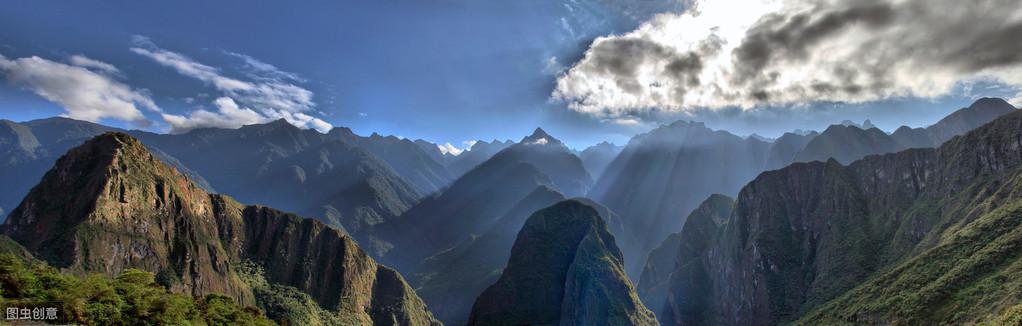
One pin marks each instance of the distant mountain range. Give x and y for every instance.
(814, 215)
(667, 172)
(922, 236)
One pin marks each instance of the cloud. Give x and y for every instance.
(231, 116)
(84, 94)
(447, 148)
(552, 67)
(269, 95)
(754, 53)
(228, 115)
(263, 70)
(95, 65)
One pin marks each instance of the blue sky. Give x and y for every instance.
(445, 71)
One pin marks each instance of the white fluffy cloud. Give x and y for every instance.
(749, 53)
(270, 95)
(230, 115)
(83, 93)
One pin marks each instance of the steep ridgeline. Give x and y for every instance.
(480, 152)
(669, 171)
(28, 149)
(451, 280)
(597, 157)
(431, 150)
(477, 200)
(129, 210)
(279, 165)
(564, 269)
(784, 149)
(423, 171)
(923, 236)
(678, 259)
(847, 143)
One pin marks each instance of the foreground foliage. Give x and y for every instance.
(132, 298)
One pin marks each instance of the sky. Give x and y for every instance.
(453, 71)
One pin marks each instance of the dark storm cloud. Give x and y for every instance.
(803, 52)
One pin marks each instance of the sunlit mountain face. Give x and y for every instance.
(458, 162)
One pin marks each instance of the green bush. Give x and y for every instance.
(132, 298)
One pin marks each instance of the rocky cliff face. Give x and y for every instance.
(804, 235)
(678, 259)
(564, 269)
(129, 210)
(451, 280)
(328, 177)
(662, 175)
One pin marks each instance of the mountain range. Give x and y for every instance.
(922, 236)
(662, 174)
(683, 225)
(130, 210)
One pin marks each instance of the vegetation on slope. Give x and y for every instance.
(132, 298)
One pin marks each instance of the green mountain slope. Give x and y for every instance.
(922, 236)
(564, 269)
(132, 211)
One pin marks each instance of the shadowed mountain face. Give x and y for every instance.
(451, 280)
(847, 143)
(423, 171)
(132, 211)
(785, 148)
(923, 236)
(668, 171)
(677, 260)
(564, 269)
(477, 200)
(280, 165)
(480, 152)
(597, 157)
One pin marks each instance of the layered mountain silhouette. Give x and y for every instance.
(130, 210)
(304, 171)
(597, 157)
(416, 163)
(677, 261)
(671, 170)
(662, 174)
(451, 280)
(923, 236)
(564, 269)
(847, 143)
(477, 200)
(475, 155)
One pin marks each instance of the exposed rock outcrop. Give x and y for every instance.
(110, 204)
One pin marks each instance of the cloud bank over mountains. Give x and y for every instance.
(92, 90)
(754, 53)
(270, 95)
(84, 87)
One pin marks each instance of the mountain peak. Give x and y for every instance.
(540, 137)
(991, 102)
(564, 264)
